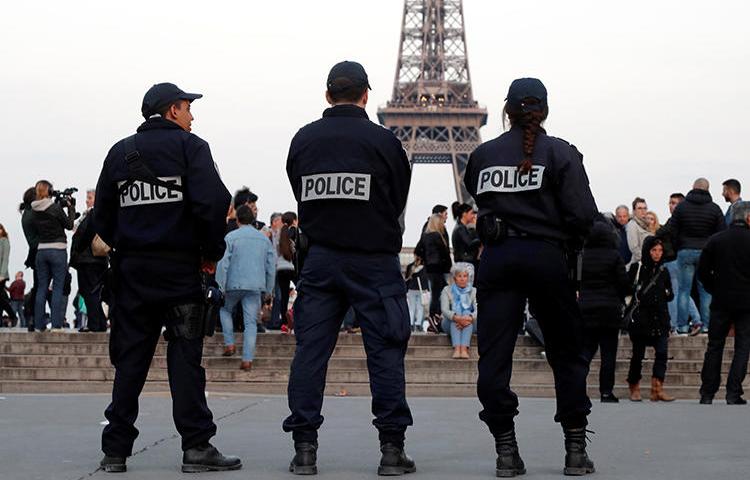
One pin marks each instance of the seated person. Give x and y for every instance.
(458, 303)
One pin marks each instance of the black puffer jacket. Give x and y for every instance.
(652, 317)
(604, 282)
(465, 244)
(437, 255)
(695, 220)
(724, 269)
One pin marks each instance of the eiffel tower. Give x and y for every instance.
(432, 110)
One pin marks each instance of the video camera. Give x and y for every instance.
(65, 196)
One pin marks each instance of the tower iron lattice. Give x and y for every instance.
(432, 109)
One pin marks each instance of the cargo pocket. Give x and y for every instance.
(395, 327)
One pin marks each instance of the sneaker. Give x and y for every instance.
(695, 330)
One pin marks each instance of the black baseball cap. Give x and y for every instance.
(345, 75)
(522, 88)
(161, 95)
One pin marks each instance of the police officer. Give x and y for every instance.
(162, 206)
(351, 180)
(535, 206)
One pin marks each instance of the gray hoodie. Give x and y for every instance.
(50, 222)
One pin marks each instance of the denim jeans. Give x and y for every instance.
(459, 338)
(250, 301)
(674, 275)
(17, 306)
(687, 262)
(416, 309)
(51, 264)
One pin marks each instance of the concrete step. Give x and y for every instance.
(282, 352)
(337, 362)
(273, 338)
(335, 375)
(358, 389)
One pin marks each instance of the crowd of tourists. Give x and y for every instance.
(638, 275)
(257, 273)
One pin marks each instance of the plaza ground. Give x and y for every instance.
(57, 437)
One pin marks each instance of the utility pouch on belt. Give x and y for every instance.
(491, 229)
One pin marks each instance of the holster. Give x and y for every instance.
(301, 251)
(491, 229)
(186, 321)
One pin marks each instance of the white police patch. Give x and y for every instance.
(509, 179)
(329, 186)
(142, 193)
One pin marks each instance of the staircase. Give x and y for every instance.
(79, 363)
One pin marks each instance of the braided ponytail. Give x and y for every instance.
(531, 123)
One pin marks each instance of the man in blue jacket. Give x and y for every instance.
(162, 207)
(247, 270)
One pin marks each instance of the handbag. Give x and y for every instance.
(99, 247)
(424, 295)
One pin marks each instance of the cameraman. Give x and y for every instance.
(50, 222)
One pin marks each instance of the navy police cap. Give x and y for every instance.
(523, 88)
(163, 94)
(345, 75)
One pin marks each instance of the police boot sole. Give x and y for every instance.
(509, 472)
(394, 471)
(578, 471)
(198, 468)
(303, 469)
(115, 468)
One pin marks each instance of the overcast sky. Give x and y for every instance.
(654, 94)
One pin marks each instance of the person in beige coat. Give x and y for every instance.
(637, 230)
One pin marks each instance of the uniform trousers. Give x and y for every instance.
(137, 318)
(509, 273)
(330, 282)
(721, 322)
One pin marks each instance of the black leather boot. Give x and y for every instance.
(509, 462)
(395, 461)
(206, 458)
(305, 459)
(577, 461)
(113, 464)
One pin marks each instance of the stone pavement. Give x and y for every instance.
(56, 437)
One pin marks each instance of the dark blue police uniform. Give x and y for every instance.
(160, 236)
(351, 180)
(544, 210)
